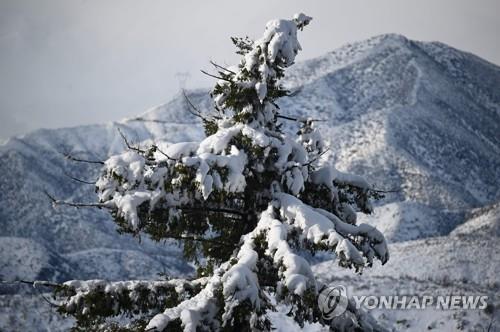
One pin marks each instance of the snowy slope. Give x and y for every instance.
(401, 112)
(24, 258)
(35, 162)
(422, 118)
(465, 262)
(465, 257)
(481, 222)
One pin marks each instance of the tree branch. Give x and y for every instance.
(78, 180)
(221, 67)
(69, 157)
(196, 112)
(387, 191)
(491, 323)
(193, 238)
(130, 147)
(77, 205)
(214, 76)
(148, 120)
(297, 119)
(294, 93)
(163, 153)
(317, 157)
(220, 210)
(34, 284)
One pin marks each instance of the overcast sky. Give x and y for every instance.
(72, 62)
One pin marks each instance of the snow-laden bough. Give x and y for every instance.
(247, 202)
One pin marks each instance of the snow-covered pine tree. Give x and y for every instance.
(247, 202)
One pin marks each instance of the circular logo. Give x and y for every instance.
(332, 301)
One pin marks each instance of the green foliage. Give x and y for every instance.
(244, 45)
(210, 127)
(319, 196)
(93, 309)
(210, 229)
(101, 325)
(237, 97)
(268, 271)
(354, 196)
(304, 308)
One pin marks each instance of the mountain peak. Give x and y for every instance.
(388, 38)
(398, 112)
(420, 118)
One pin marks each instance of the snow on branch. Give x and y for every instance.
(122, 297)
(246, 201)
(237, 280)
(355, 246)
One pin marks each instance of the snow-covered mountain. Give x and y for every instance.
(419, 118)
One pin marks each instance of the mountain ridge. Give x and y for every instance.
(421, 118)
(342, 85)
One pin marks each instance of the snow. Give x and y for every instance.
(405, 221)
(295, 180)
(282, 322)
(277, 46)
(133, 290)
(301, 19)
(366, 92)
(261, 89)
(187, 310)
(328, 175)
(22, 258)
(298, 276)
(235, 162)
(313, 225)
(179, 150)
(127, 206)
(481, 221)
(217, 142)
(347, 249)
(452, 264)
(239, 281)
(281, 37)
(319, 226)
(128, 165)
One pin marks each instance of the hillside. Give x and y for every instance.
(418, 118)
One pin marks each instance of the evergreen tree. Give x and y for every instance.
(246, 202)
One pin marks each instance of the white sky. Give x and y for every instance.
(72, 62)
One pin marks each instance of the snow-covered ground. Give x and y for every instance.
(419, 118)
